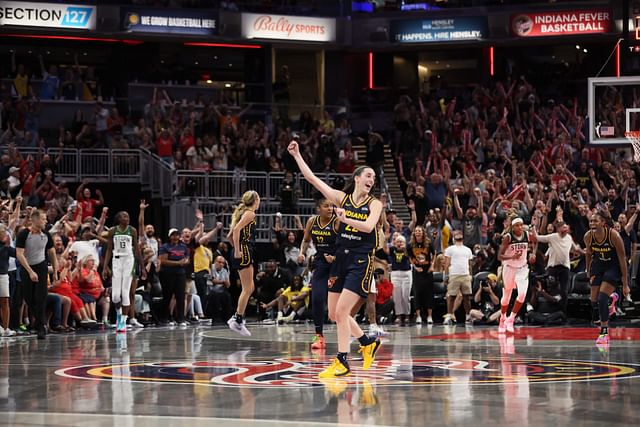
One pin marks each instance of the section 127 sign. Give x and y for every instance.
(169, 21)
(49, 15)
(439, 30)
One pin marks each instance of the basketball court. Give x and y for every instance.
(422, 376)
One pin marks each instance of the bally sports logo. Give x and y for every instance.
(280, 27)
(50, 15)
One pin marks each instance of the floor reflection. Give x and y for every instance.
(211, 374)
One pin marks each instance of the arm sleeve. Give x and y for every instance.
(49, 241)
(21, 239)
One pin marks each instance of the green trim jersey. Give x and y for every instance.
(123, 241)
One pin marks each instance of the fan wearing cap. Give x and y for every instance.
(515, 269)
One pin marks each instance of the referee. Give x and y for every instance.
(32, 246)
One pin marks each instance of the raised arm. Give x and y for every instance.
(80, 189)
(414, 218)
(631, 221)
(141, 226)
(333, 196)
(206, 238)
(456, 205)
(138, 255)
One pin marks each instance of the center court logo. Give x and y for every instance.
(303, 372)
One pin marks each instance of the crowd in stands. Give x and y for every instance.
(468, 159)
(474, 159)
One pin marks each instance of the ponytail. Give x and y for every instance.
(248, 199)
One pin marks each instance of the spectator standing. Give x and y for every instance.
(147, 233)
(472, 220)
(219, 299)
(6, 252)
(21, 79)
(401, 278)
(86, 202)
(289, 193)
(174, 258)
(50, 81)
(33, 245)
(101, 117)
(457, 276)
(420, 253)
(559, 255)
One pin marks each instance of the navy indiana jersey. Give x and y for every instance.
(351, 238)
(248, 233)
(324, 236)
(604, 255)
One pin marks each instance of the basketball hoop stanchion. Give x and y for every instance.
(634, 138)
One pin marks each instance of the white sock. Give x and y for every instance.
(119, 311)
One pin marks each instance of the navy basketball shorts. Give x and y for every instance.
(352, 271)
(611, 275)
(246, 259)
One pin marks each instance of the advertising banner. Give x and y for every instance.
(50, 15)
(439, 30)
(281, 27)
(571, 22)
(169, 21)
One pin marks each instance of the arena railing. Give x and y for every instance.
(229, 185)
(182, 213)
(108, 165)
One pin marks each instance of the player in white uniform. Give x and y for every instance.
(123, 250)
(515, 269)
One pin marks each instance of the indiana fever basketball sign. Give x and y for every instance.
(303, 372)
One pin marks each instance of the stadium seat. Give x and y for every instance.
(580, 291)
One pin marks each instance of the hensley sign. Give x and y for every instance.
(439, 30)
